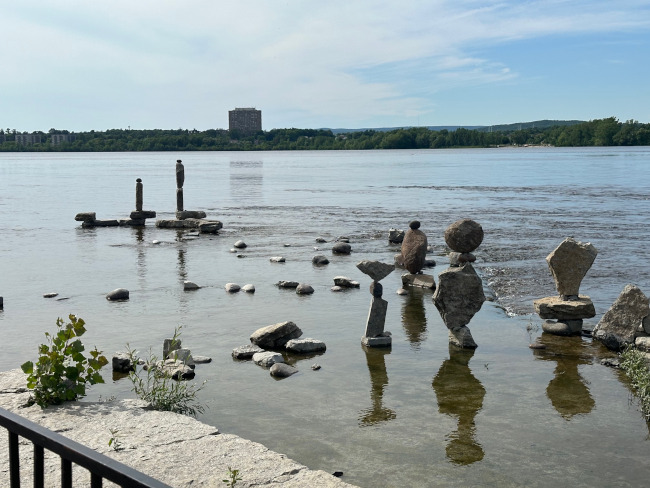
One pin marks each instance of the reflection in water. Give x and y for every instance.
(460, 395)
(246, 179)
(378, 381)
(142, 265)
(568, 390)
(414, 318)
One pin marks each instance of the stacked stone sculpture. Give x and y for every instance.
(568, 264)
(375, 336)
(460, 290)
(413, 257)
(187, 219)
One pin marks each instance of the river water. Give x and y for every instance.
(417, 414)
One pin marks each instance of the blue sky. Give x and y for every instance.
(82, 65)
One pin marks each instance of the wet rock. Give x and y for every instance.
(345, 282)
(414, 248)
(276, 335)
(375, 269)
(141, 215)
(341, 248)
(277, 259)
(556, 308)
(248, 288)
(429, 263)
(232, 287)
(282, 370)
(459, 296)
(569, 263)
(343, 239)
(122, 362)
(170, 345)
(246, 352)
(376, 289)
(190, 285)
(190, 214)
(419, 280)
(462, 337)
(321, 240)
(303, 346)
(86, 217)
(320, 260)
(118, 294)
(287, 284)
(402, 291)
(464, 235)
(337, 288)
(177, 370)
(240, 244)
(642, 344)
(563, 328)
(395, 236)
(618, 327)
(183, 355)
(202, 359)
(304, 289)
(376, 317)
(537, 345)
(267, 359)
(50, 295)
(210, 226)
(399, 260)
(315, 367)
(384, 340)
(611, 362)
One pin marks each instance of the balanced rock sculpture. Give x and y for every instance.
(568, 264)
(374, 335)
(413, 258)
(459, 295)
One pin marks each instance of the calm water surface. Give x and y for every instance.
(418, 414)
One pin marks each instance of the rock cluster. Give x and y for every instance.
(626, 322)
(459, 295)
(374, 335)
(568, 263)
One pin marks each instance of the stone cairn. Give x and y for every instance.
(375, 336)
(413, 257)
(568, 263)
(137, 218)
(187, 219)
(460, 290)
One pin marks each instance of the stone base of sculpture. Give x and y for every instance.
(419, 280)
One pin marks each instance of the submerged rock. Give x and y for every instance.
(118, 294)
(341, 248)
(304, 289)
(282, 370)
(267, 359)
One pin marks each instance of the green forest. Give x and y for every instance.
(600, 132)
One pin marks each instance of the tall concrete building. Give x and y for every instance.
(26, 139)
(245, 119)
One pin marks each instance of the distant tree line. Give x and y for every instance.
(601, 132)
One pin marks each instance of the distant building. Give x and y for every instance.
(245, 120)
(56, 139)
(26, 139)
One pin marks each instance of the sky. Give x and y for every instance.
(88, 65)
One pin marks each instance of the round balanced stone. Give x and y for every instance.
(415, 224)
(464, 235)
(376, 290)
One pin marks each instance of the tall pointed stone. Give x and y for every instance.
(569, 263)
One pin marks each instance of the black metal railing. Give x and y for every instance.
(101, 467)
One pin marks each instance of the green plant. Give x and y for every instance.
(233, 477)
(62, 370)
(163, 392)
(635, 365)
(114, 442)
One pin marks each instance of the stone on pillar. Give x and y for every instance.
(180, 174)
(138, 195)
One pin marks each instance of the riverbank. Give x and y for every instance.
(175, 449)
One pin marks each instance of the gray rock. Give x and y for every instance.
(343, 239)
(337, 288)
(619, 325)
(101, 223)
(277, 259)
(396, 236)
(381, 341)
(341, 248)
(304, 289)
(464, 235)
(142, 215)
(282, 370)
(50, 295)
(86, 217)
(303, 346)
(563, 328)
(123, 362)
(232, 287)
(375, 269)
(459, 295)
(556, 308)
(569, 263)
(267, 359)
(176, 370)
(287, 284)
(345, 282)
(190, 285)
(170, 345)
(183, 355)
(202, 359)
(320, 260)
(376, 317)
(248, 288)
(246, 352)
(419, 280)
(118, 294)
(414, 250)
(276, 335)
(210, 226)
(462, 337)
(321, 239)
(190, 214)
(240, 244)
(315, 366)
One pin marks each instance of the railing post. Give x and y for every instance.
(14, 461)
(39, 467)
(66, 473)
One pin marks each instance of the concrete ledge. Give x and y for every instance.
(175, 449)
